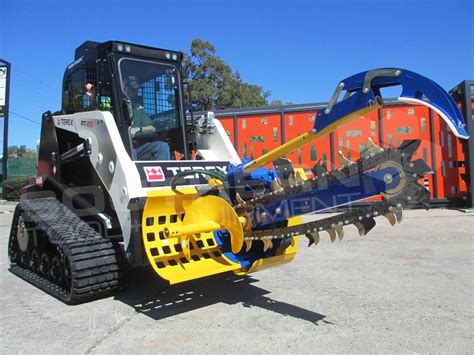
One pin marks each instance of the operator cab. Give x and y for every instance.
(141, 86)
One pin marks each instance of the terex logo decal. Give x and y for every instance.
(176, 169)
(65, 122)
(161, 174)
(154, 173)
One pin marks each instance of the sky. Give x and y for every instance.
(298, 50)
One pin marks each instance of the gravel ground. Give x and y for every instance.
(402, 289)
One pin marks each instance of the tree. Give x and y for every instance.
(13, 151)
(213, 83)
(22, 150)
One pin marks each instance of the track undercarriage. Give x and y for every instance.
(56, 251)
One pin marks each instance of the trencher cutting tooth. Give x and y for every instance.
(275, 186)
(339, 231)
(419, 167)
(316, 238)
(371, 147)
(248, 245)
(368, 224)
(240, 200)
(343, 160)
(332, 234)
(319, 169)
(291, 180)
(398, 212)
(408, 148)
(313, 238)
(360, 228)
(391, 218)
(267, 244)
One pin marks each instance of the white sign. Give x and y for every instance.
(3, 85)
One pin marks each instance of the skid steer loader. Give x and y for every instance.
(124, 178)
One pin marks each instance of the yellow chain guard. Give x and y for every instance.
(281, 258)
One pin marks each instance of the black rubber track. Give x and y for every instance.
(92, 259)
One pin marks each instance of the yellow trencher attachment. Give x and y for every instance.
(216, 183)
(208, 214)
(178, 234)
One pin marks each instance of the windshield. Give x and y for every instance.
(152, 89)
